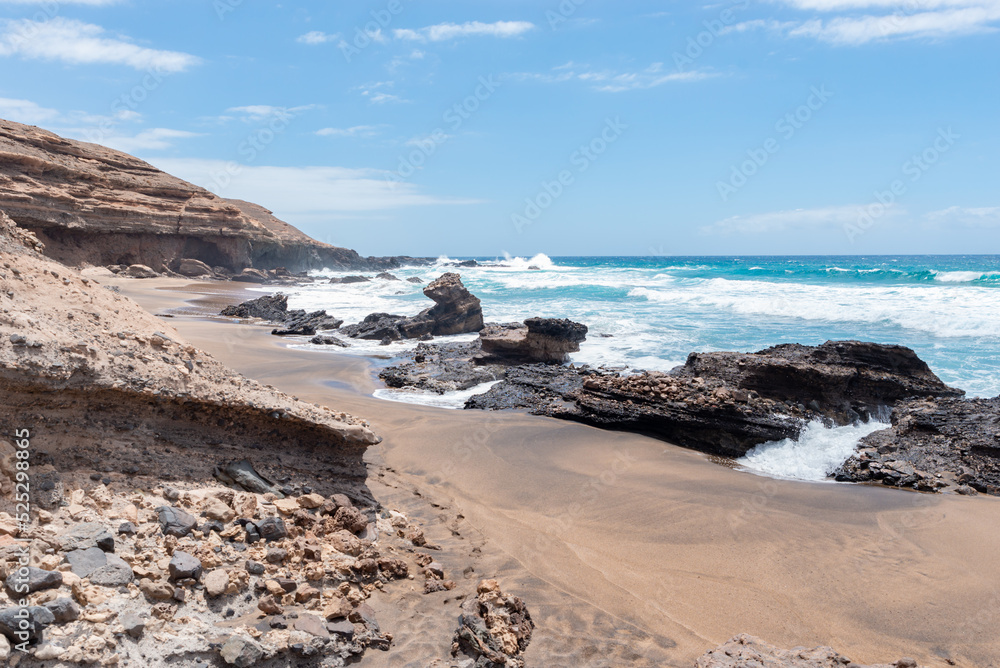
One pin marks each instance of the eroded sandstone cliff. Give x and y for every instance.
(91, 204)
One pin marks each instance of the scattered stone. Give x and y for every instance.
(139, 271)
(133, 624)
(63, 610)
(216, 583)
(253, 568)
(30, 579)
(241, 652)
(184, 566)
(269, 605)
(87, 535)
(272, 529)
(85, 562)
(12, 621)
(115, 574)
(126, 529)
(175, 522)
(242, 473)
(276, 555)
(746, 650)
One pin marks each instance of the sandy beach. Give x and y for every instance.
(630, 551)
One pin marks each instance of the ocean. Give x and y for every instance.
(651, 312)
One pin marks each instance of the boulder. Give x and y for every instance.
(272, 529)
(241, 651)
(268, 307)
(351, 279)
(28, 580)
(184, 566)
(14, 620)
(241, 473)
(386, 276)
(193, 268)
(746, 650)
(175, 522)
(455, 311)
(139, 271)
(320, 340)
(250, 275)
(546, 340)
(87, 535)
(85, 562)
(116, 573)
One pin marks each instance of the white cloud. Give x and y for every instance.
(356, 131)
(25, 111)
(611, 81)
(154, 139)
(259, 112)
(375, 94)
(793, 220)
(83, 44)
(957, 216)
(897, 19)
(305, 193)
(445, 31)
(317, 37)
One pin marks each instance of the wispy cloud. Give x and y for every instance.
(154, 139)
(255, 113)
(834, 217)
(376, 93)
(309, 193)
(445, 31)
(897, 19)
(81, 43)
(25, 111)
(958, 216)
(611, 81)
(356, 131)
(317, 37)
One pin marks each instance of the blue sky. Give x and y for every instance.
(580, 127)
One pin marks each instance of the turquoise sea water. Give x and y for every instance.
(653, 311)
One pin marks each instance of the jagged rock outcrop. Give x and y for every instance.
(843, 378)
(274, 308)
(94, 205)
(537, 340)
(494, 629)
(455, 311)
(933, 444)
(746, 651)
(726, 403)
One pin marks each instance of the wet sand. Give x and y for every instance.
(630, 551)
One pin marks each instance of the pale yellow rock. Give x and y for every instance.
(48, 653)
(286, 506)
(217, 509)
(102, 496)
(76, 511)
(311, 501)
(50, 562)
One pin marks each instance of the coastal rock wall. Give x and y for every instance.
(100, 380)
(92, 205)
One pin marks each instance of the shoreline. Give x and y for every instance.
(655, 552)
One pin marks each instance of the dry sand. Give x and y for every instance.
(630, 551)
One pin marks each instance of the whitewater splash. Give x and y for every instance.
(814, 455)
(453, 400)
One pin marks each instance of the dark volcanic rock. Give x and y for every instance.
(268, 307)
(29, 580)
(31, 621)
(184, 566)
(441, 368)
(320, 340)
(537, 340)
(175, 522)
(241, 473)
(275, 309)
(841, 376)
(455, 311)
(745, 650)
(956, 439)
(727, 403)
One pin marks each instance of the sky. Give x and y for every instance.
(573, 127)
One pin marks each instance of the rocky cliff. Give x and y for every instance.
(93, 205)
